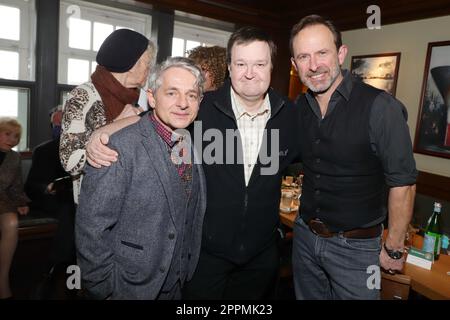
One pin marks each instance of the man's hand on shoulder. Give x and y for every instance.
(97, 153)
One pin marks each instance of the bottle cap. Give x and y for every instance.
(437, 206)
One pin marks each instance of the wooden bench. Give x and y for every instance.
(31, 228)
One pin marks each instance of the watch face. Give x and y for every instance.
(393, 253)
(396, 254)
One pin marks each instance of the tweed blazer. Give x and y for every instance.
(126, 223)
(11, 185)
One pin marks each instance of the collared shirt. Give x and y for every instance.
(171, 139)
(388, 132)
(251, 129)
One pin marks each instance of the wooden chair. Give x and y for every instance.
(395, 287)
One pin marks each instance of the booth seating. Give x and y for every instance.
(35, 224)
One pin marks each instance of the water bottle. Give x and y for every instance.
(433, 234)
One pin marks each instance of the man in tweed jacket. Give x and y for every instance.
(139, 221)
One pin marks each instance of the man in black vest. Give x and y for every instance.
(354, 142)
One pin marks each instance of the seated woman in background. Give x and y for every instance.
(12, 198)
(213, 62)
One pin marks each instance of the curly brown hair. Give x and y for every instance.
(212, 59)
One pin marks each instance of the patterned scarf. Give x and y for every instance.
(114, 95)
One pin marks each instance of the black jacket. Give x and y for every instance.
(241, 221)
(45, 168)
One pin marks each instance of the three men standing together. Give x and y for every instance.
(134, 229)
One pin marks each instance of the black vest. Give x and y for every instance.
(186, 207)
(343, 182)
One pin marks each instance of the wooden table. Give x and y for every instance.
(433, 284)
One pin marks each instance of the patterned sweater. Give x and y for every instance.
(84, 112)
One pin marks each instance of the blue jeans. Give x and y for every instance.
(335, 267)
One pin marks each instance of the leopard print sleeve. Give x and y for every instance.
(83, 114)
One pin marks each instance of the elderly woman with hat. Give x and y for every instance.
(124, 60)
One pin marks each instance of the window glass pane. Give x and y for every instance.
(93, 66)
(79, 34)
(177, 47)
(63, 97)
(9, 65)
(87, 32)
(191, 45)
(15, 103)
(10, 102)
(199, 34)
(118, 27)
(9, 23)
(77, 71)
(101, 31)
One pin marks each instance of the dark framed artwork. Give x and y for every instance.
(378, 70)
(433, 121)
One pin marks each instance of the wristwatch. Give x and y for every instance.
(393, 254)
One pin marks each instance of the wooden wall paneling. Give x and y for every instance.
(220, 10)
(433, 185)
(282, 63)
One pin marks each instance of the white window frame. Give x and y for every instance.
(204, 35)
(94, 13)
(25, 46)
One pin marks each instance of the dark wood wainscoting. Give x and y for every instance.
(433, 185)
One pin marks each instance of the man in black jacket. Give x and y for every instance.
(239, 258)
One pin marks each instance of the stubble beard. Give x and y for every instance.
(321, 88)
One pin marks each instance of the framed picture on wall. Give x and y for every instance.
(433, 121)
(378, 70)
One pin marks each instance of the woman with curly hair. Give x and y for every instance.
(212, 61)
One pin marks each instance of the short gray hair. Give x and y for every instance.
(176, 62)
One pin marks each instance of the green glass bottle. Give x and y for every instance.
(433, 234)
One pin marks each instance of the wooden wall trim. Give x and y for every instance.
(220, 11)
(433, 185)
(285, 13)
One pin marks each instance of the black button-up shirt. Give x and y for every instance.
(388, 132)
